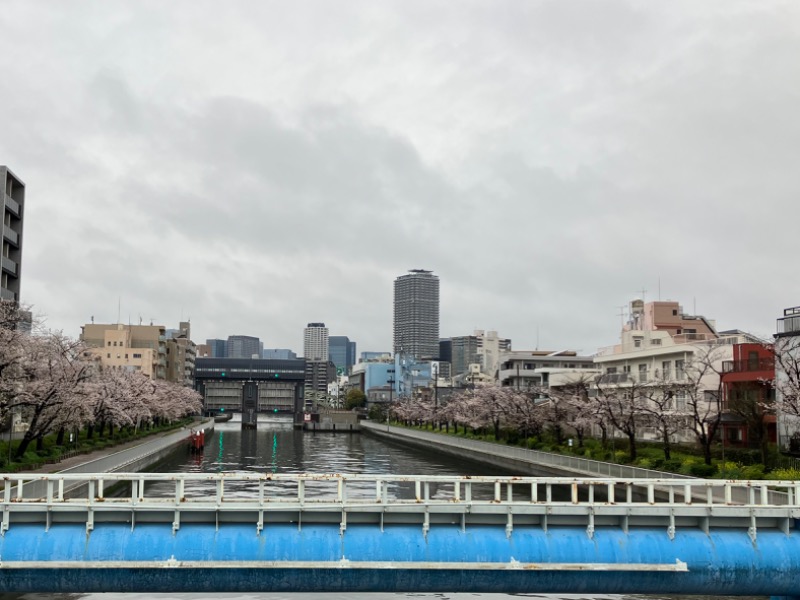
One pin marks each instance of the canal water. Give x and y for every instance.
(275, 447)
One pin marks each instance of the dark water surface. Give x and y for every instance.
(275, 447)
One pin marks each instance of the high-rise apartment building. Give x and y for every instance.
(342, 352)
(243, 346)
(416, 314)
(12, 201)
(315, 342)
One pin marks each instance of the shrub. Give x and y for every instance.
(785, 474)
(753, 472)
(731, 470)
(702, 470)
(672, 465)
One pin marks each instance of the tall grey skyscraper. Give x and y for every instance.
(315, 342)
(416, 314)
(12, 203)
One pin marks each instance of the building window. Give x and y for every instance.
(109, 354)
(626, 369)
(679, 369)
(655, 342)
(109, 343)
(665, 369)
(674, 312)
(637, 341)
(642, 372)
(137, 356)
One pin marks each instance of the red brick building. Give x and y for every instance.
(748, 396)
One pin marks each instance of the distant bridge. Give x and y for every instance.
(150, 532)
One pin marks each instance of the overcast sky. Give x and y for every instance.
(255, 166)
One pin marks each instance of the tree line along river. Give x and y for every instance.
(276, 447)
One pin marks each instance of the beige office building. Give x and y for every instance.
(133, 347)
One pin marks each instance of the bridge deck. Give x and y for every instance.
(274, 532)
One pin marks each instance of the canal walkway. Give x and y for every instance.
(513, 457)
(130, 456)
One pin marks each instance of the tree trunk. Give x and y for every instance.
(632, 446)
(39, 443)
(23, 445)
(60, 437)
(666, 446)
(90, 432)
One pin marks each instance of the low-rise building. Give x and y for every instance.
(132, 347)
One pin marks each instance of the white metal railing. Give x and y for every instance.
(259, 489)
(331, 498)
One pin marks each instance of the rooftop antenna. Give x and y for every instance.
(644, 293)
(621, 317)
(92, 319)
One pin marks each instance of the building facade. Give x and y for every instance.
(537, 369)
(787, 379)
(315, 342)
(12, 200)
(243, 346)
(278, 354)
(217, 348)
(140, 348)
(342, 353)
(416, 314)
(250, 386)
(483, 348)
(748, 397)
(181, 355)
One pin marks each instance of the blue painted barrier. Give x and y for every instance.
(318, 557)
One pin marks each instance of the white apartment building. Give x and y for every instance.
(526, 370)
(315, 342)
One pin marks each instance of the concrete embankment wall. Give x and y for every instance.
(519, 460)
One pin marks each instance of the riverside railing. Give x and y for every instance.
(382, 500)
(576, 464)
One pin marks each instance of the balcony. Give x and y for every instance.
(12, 205)
(789, 325)
(9, 266)
(7, 295)
(748, 366)
(10, 235)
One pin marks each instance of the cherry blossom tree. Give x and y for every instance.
(702, 390)
(621, 404)
(51, 390)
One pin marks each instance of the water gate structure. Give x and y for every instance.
(153, 532)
